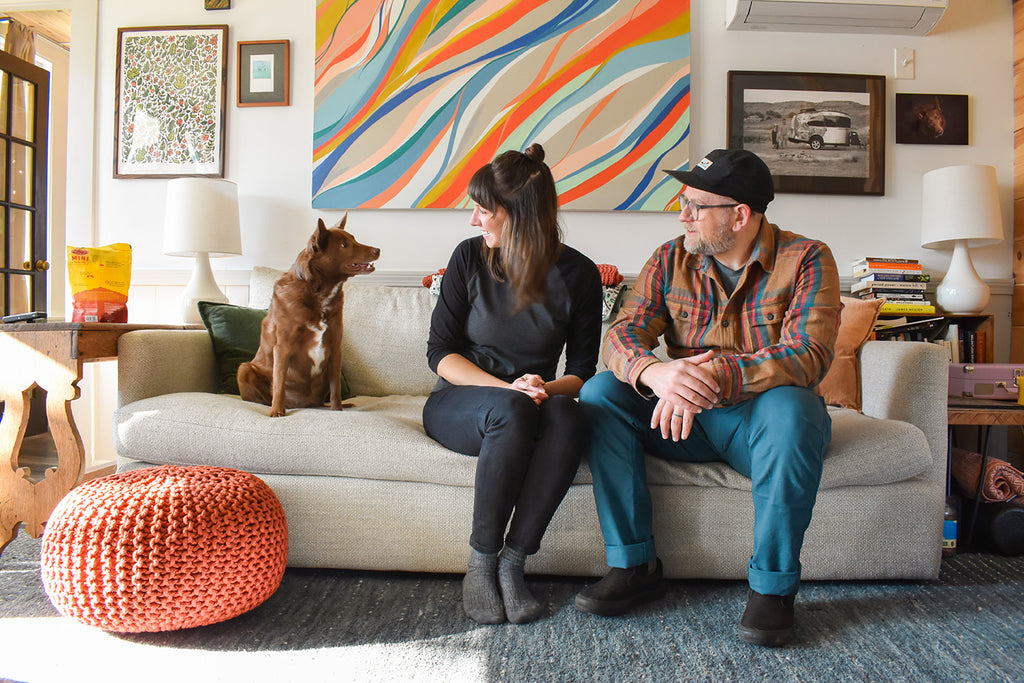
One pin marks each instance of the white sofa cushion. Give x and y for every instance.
(216, 429)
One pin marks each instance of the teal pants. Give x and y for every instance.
(777, 439)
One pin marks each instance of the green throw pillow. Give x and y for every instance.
(235, 332)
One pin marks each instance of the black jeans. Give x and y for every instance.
(527, 457)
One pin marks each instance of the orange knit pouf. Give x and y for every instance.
(164, 548)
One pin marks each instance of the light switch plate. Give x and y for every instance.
(904, 66)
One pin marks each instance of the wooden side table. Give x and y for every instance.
(49, 355)
(982, 413)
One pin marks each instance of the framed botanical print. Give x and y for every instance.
(169, 110)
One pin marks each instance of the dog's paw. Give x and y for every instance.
(277, 412)
(342, 406)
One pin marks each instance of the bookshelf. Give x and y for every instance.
(975, 334)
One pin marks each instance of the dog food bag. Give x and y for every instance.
(99, 278)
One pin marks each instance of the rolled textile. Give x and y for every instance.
(1002, 481)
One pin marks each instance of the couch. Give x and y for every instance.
(365, 488)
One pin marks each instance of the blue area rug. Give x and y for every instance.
(335, 625)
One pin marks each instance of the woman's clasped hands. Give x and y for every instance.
(532, 386)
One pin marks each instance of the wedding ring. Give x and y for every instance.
(677, 414)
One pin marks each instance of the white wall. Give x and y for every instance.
(269, 149)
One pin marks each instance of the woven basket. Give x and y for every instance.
(164, 548)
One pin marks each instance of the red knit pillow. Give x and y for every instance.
(610, 275)
(164, 548)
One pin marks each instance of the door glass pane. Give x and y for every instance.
(3, 168)
(23, 114)
(4, 79)
(21, 294)
(22, 174)
(21, 238)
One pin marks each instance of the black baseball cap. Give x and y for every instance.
(735, 173)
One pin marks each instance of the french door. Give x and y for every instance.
(24, 114)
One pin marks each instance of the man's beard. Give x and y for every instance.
(721, 241)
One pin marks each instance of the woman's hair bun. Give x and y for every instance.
(535, 152)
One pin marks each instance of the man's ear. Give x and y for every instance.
(743, 215)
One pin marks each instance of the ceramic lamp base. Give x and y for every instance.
(201, 287)
(962, 291)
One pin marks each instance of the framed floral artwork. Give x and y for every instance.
(169, 111)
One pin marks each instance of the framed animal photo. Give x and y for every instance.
(931, 119)
(818, 133)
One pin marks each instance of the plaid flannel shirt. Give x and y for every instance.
(777, 328)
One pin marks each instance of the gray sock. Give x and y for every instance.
(520, 605)
(481, 598)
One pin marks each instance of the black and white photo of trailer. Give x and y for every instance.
(818, 133)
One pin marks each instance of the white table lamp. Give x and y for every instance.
(201, 221)
(960, 208)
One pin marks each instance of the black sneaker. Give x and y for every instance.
(767, 620)
(621, 590)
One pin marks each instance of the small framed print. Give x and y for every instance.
(928, 119)
(263, 68)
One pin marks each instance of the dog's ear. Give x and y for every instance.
(341, 224)
(318, 242)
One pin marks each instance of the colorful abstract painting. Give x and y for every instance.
(413, 96)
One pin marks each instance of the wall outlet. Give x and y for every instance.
(904, 63)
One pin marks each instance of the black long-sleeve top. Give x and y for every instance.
(473, 318)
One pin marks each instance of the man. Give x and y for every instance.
(749, 315)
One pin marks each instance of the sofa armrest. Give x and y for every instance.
(155, 362)
(908, 381)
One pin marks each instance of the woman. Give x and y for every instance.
(510, 300)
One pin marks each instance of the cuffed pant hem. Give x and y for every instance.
(625, 556)
(773, 583)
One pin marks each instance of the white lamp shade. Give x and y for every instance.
(961, 203)
(202, 217)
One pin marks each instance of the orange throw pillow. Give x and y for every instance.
(841, 385)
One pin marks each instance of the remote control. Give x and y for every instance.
(24, 317)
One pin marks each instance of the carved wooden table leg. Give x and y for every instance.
(47, 359)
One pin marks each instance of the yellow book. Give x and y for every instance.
(906, 308)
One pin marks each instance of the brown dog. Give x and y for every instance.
(298, 364)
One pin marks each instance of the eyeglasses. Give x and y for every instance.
(694, 208)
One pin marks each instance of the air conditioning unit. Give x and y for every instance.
(910, 17)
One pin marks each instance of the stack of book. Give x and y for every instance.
(901, 282)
